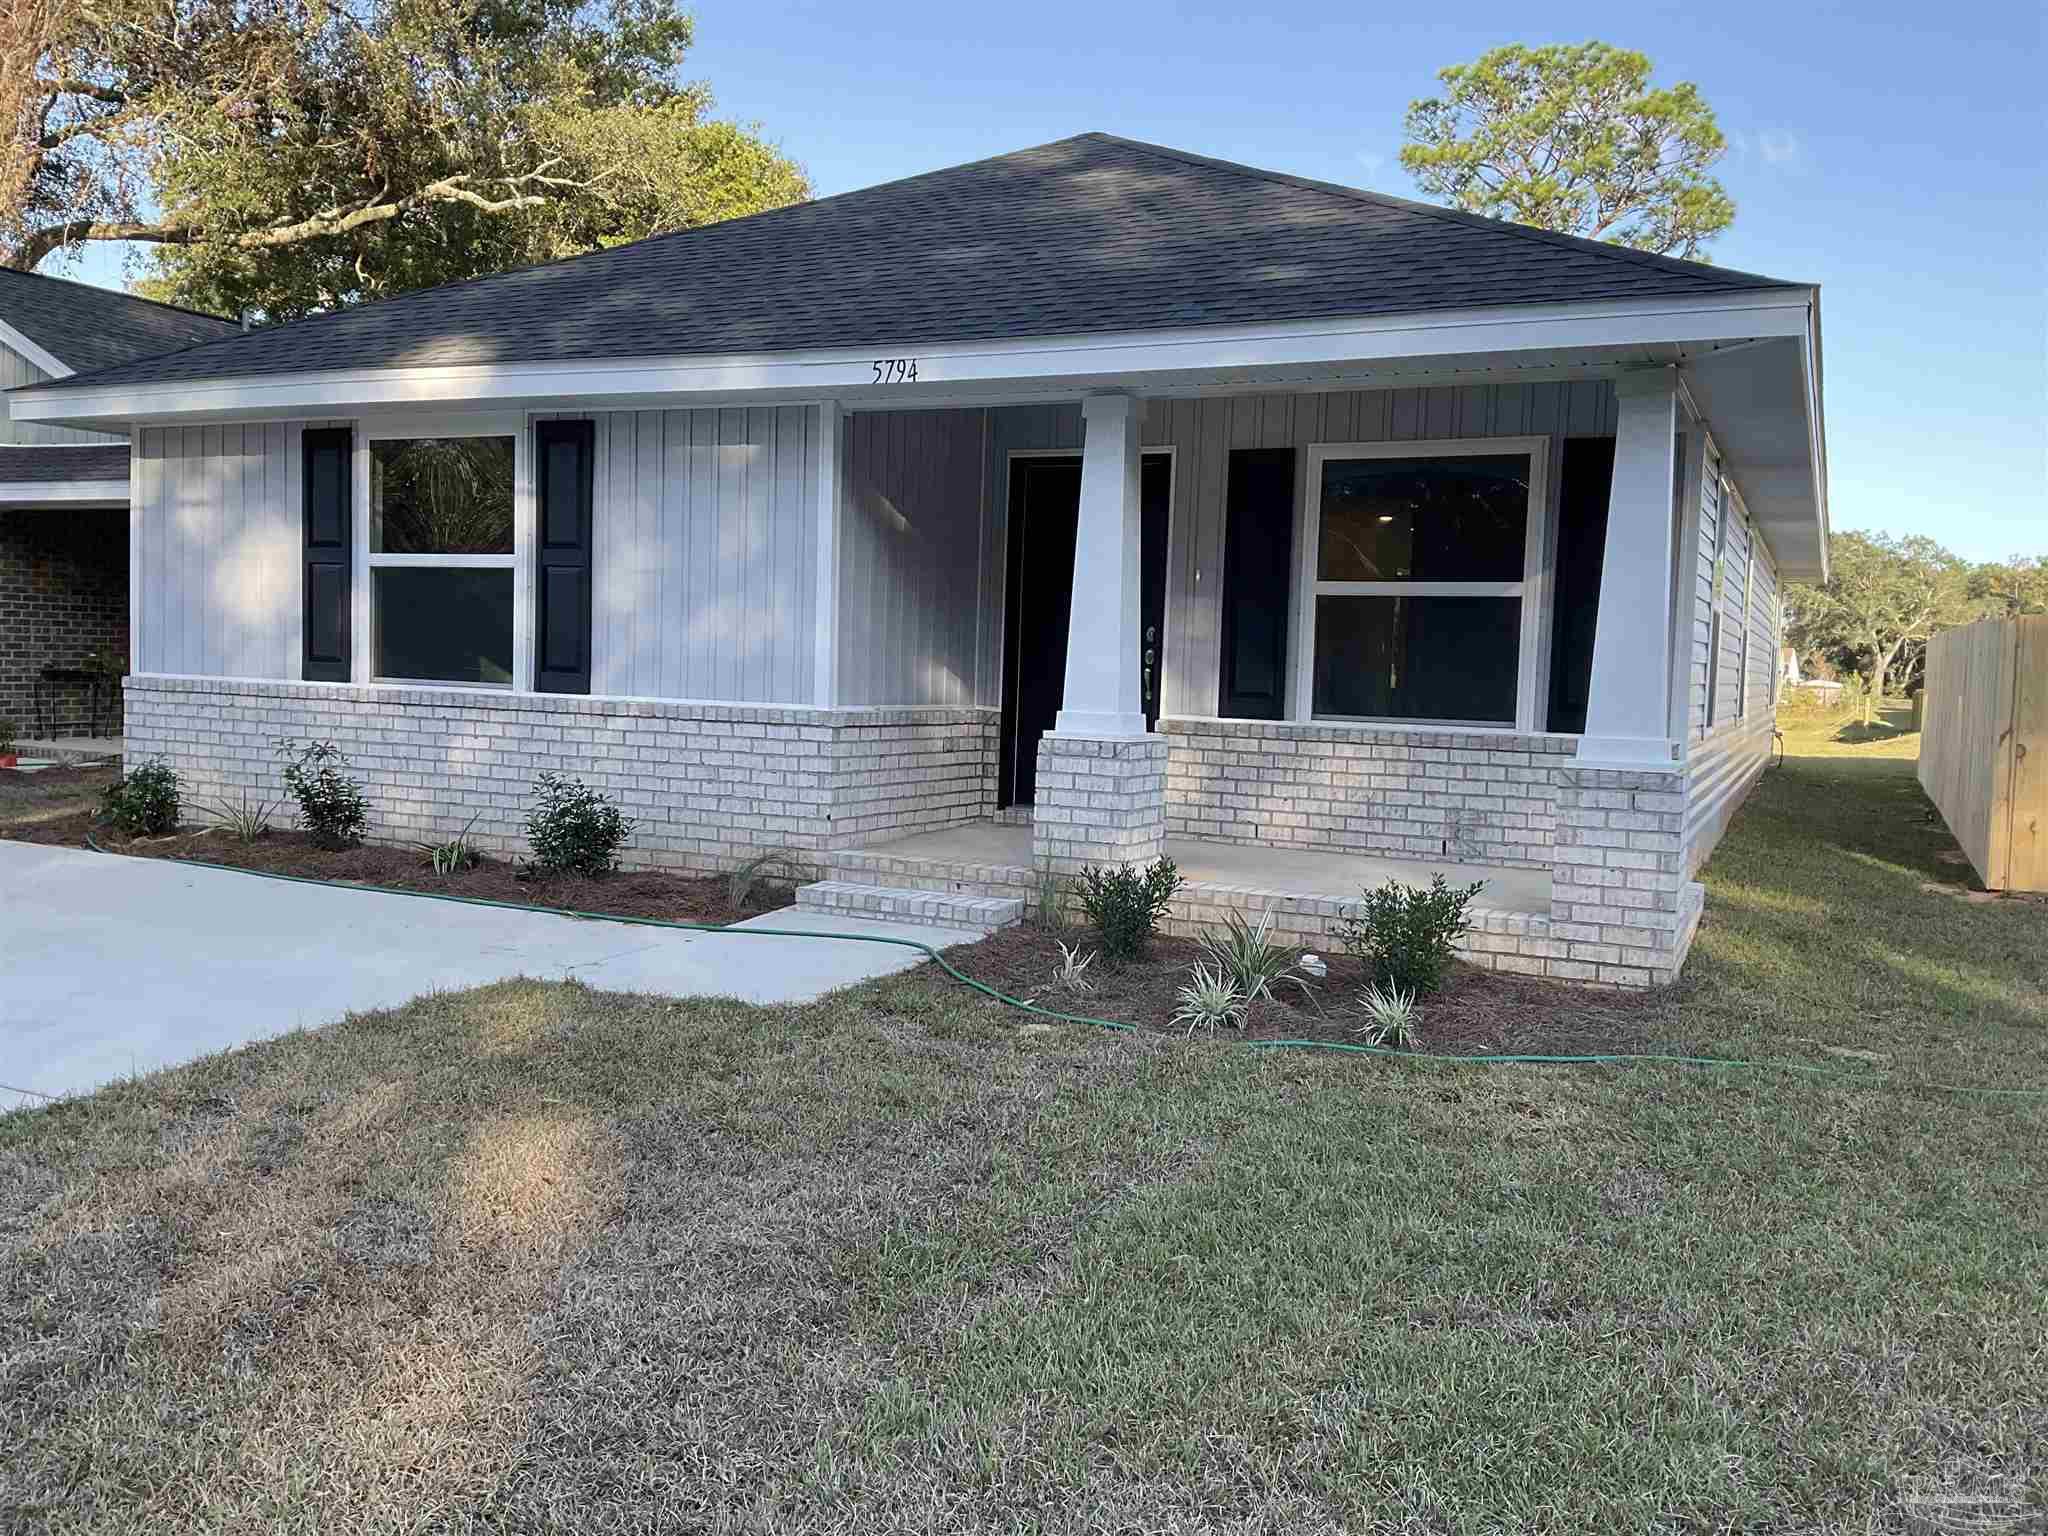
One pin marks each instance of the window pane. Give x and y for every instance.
(1418, 658)
(441, 496)
(1453, 518)
(441, 625)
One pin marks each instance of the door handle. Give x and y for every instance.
(1151, 659)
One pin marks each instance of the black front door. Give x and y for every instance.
(1045, 504)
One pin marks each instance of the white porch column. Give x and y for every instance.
(1104, 688)
(1628, 706)
(1101, 777)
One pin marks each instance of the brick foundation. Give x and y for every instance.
(1422, 794)
(705, 784)
(1620, 902)
(1100, 800)
(63, 596)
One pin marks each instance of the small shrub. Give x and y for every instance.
(573, 827)
(740, 884)
(1407, 934)
(1125, 903)
(456, 854)
(1209, 1000)
(1250, 959)
(331, 804)
(1390, 1017)
(144, 801)
(1073, 968)
(1050, 910)
(245, 820)
(6, 737)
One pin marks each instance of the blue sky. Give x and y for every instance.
(1892, 153)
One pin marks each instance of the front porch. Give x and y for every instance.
(1301, 643)
(983, 874)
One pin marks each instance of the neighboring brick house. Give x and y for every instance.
(64, 501)
(1074, 505)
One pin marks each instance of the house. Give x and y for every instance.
(1053, 509)
(64, 500)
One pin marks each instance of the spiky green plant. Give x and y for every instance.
(245, 820)
(740, 884)
(1208, 1001)
(1072, 973)
(1391, 1017)
(458, 853)
(1247, 955)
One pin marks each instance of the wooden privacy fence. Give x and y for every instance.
(1984, 746)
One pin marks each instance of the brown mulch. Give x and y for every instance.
(640, 893)
(1478, 1012)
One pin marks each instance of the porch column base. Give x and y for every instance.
(1100, 800)
(1620, 901)
(1655, 753)
(1110, 726)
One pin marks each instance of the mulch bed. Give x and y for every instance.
(672, 898)
(1478, 1012)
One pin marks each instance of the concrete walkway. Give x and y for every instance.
(111, 966)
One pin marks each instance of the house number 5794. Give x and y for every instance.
(895, 370)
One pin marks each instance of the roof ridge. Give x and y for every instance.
(1703, 271)
(120, 293)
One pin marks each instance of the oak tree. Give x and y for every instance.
(289, 156)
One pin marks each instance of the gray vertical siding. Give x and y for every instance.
(1202, 433)
(913, 557)
(16, 372)
(215, 585)
(706, 552)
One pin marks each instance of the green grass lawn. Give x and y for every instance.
(537, 1257)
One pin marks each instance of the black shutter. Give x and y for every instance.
(329, 464)
(561, 632)
(1258, 573)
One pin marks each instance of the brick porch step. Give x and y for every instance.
(895, 904)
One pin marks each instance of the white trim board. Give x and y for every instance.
(847, 373)
(44, 359)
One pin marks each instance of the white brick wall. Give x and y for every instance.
(1474, 798)
(706, 784)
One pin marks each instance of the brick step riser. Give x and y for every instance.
(902, 905)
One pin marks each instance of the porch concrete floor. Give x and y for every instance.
(1289, 871)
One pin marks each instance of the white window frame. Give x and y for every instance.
(1307, 587)
(519, 562)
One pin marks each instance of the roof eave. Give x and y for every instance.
(947, 370)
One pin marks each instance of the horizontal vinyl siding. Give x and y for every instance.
(1703, 592)
(218, 551)
(17, 372)
(706, 554)
(1203, 432)
(1724, 760)
(911, 559)
(1763, 629)
(1728, 697)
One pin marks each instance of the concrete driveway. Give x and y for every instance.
(111, 966)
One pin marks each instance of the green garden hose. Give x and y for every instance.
(1593, 1059)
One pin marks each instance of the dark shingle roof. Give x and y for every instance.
(59, 465)
(85, 327)
(1088, 234)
